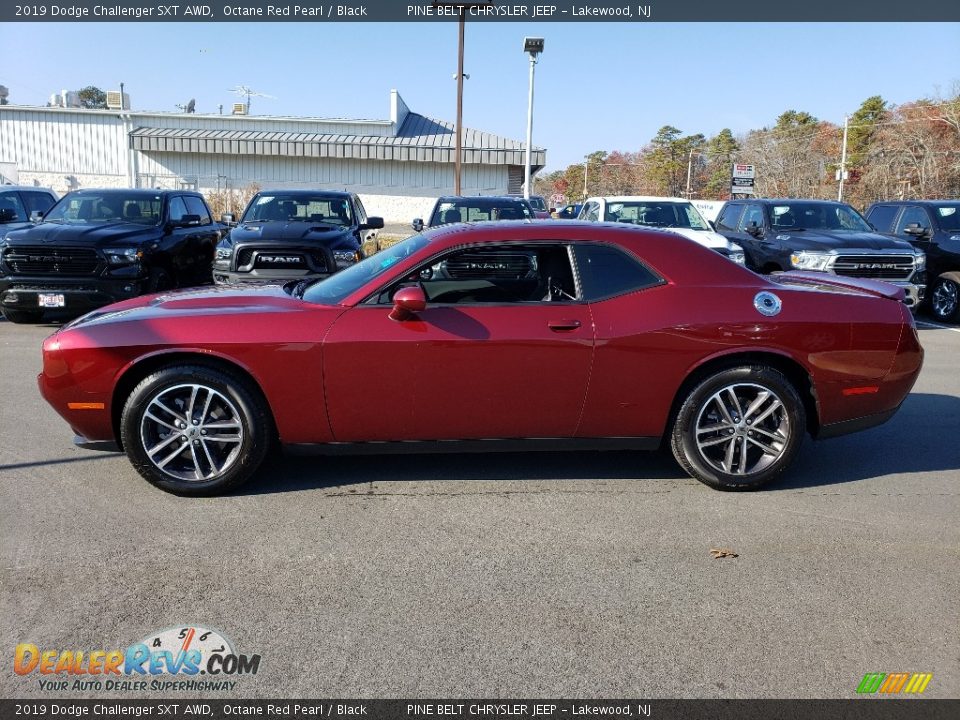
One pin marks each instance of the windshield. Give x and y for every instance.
(949, 216)
(817, 216)
(295, 207)
(89, 208)
(478, 210)
(338, 286)
(656, 213)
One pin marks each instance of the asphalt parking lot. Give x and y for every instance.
(543, 575)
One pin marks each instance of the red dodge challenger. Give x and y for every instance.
(507, 335)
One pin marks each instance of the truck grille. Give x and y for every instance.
(44, 260)
(279, 259)
(877, 267)
(500, 266)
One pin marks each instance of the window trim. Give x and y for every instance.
(372, 299)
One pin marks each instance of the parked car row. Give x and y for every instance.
(95, 247)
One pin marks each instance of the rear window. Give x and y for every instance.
(478, 210)
(607, 271)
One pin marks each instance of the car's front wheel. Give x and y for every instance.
(195, 430)
(945, 299)
(739, 428)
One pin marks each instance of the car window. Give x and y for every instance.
(607, 271)
(479, 210)
(590, 212)
(949, 216)
(327, 209)
(196, 206)
(502, 274)
(109, 206)
(177, 209)
(727, 220)
(11, 208)
(753, 214)
(361, 210)
(881, 216)
(912, 215)
(37, 201)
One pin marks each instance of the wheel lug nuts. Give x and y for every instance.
(196, 422)
(196, 442)
(203, 432)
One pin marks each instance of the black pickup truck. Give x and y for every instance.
(934, 227)
(824, 236)
(96, 247)
(292, 235)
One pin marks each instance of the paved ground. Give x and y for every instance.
(514, 575)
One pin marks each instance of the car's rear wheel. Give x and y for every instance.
(195, 430)
(945, 299)
(22, 317)
(739, 428)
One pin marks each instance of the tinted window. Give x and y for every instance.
(196, 206)
(949, 216)
(11, 209)
(109, 206)
(499, 274)
(177, 209)
(37, 201)
(607, 271)
(727, 220)
(754, 214)
(881, 217)
(478, 210)
(910, 216)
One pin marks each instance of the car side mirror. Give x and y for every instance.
(417, 224)
(36, 216)
(186, 221)
(407, 302)
(372, 223)
(916, 230)
(228, 219)
(754, 229)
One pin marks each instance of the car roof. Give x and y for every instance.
(305, 192)
(25, 187)
(637, 198)
(915, 202)
(451, 198)
(781, 201)
(134, 191)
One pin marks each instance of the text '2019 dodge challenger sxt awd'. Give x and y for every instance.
(491, 336)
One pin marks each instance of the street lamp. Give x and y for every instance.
(533, 46)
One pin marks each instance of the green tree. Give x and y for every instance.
(863, 129)
(93, 98)
(720, 152)
(667, 159)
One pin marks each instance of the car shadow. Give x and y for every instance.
(904, 445)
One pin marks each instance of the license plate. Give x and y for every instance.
(49, 300)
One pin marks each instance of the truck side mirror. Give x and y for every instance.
(36, 216)
(754, 229)
(227, 219)
(417, 224)
(917, 230)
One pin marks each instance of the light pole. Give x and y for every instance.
(693, 152)
(532, 46)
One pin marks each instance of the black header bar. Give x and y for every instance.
(739, 11)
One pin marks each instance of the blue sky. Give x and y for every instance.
(599, 85)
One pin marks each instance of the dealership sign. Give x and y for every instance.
(742, 177)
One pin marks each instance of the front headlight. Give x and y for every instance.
(806, 260)
(224, 253)
(123, 256)
(738, 257)
(345, 258)
(919, 261)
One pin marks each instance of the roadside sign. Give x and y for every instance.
(741, 179)
(558, 199)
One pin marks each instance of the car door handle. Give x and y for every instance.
(563, 325)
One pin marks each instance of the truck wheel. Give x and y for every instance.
(945, 299)
(740, 428)
(22, 317)
(159, 281)
(195, 430)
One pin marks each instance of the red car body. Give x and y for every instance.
(350, 373)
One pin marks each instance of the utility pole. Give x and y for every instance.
(459, 143)
(843, 157)
(690, 170)
(532, 46)
(586, 166)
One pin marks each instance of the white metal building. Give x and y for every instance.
(398, 166)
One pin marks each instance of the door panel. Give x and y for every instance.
(458, 372)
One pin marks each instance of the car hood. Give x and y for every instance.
(841, 240)
(101, 234)
(10, 227)
(333, 236)
(217, 300)
(705, 237)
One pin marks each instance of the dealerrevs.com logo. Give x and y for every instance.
(185, 653)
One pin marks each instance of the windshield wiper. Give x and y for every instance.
(784, 229)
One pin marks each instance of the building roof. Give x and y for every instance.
(418, 139)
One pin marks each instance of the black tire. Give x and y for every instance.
(22, 317)
(945, 299)
(159, 281)
(233, 403)
(699, 438)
